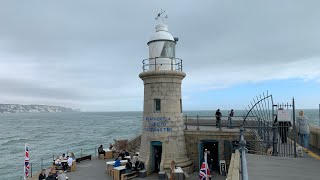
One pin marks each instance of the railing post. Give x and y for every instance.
(31, 169)
(95, 151)
(186, 122)
(41, 163)
(220, 123)
(243, 151)
(197, 122)
(275, 139)
(268, 134)
(294, 129)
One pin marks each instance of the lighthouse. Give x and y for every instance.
(163, 139)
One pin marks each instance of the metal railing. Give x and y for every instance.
(36, 165)
(175, 64)
(206, 121)
(243, 150)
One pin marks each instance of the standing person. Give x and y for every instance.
(230, 119)
(218, 118)
(172, 169)
(303, 130)
(43, 175)
(70, 160)
(284, 125)
(73, 156)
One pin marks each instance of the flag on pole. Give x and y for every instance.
(26, 162)
(204, 173)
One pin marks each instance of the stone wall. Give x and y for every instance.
(314, 138)
(193, 138)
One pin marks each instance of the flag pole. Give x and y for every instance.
(206, 163)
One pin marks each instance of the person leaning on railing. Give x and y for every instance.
(303, 130)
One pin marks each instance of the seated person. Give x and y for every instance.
(101, 151)
(42, 175)
(123, 154)
(65, 165)
(61, 176)
(126, 153)
(138, 165)
(51, 176)
(117, 163)
(63, 156)
(57, 162)
(111, 147)
(128, 167)
(70, 160)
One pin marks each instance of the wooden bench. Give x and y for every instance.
(88, 157)
(131, 175)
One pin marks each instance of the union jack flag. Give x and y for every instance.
(26, 162)
(204, 173)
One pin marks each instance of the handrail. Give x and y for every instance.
(243, 150)
(175, 63)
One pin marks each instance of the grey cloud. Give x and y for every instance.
(86, 51)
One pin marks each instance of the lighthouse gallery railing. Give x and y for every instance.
(155, 63)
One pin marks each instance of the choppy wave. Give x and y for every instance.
(15, 141)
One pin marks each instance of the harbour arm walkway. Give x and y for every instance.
(284, 168)
(96, 169)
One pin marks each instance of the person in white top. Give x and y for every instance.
(70, 161)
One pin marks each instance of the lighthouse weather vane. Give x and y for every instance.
(160, 17)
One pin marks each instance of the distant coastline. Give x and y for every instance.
(18, 108)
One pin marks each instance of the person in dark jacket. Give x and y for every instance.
(218, 118)
(101, 151)
(128, 167)
(51, 176)
(42, 175)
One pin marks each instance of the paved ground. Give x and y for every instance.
(284, 168)
(96, 170)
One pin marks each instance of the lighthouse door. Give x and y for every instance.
(155, 156)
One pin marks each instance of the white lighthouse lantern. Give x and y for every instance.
(162, 49)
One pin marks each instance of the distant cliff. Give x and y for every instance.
(17, 108)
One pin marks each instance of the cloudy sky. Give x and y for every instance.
(87, 54)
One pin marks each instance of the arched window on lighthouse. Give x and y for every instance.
(157, 105)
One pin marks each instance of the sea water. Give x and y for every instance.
(51, 134)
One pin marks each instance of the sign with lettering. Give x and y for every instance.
(284, 115)
(157, 124)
